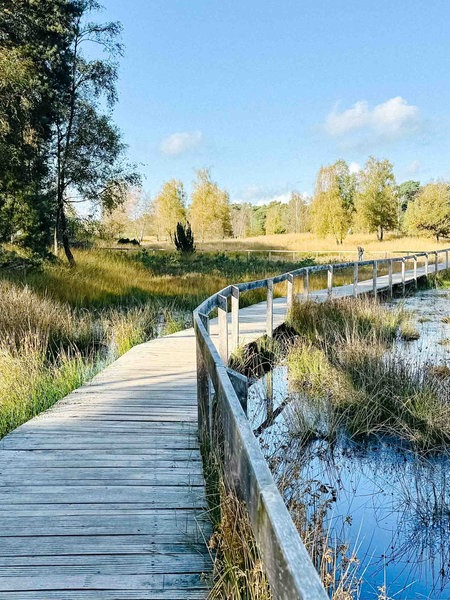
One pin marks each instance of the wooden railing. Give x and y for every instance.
(225, 431)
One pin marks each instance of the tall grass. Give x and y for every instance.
(238, 570)
(59, 326)
(353, 384)
(310, 243)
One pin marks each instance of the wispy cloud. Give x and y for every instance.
(414, 167)
(180, 143)
(259, 195)
(385, 122)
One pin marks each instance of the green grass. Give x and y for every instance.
(59, 326)
(352, 384)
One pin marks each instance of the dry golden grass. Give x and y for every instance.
(238, 570)
(308, 242)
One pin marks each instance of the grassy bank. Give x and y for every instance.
(59, 326)
(353, 384)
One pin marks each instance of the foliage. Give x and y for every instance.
(169, 208)
(297, 214)
(333, 203)
(34, 44)
(376, 199)
(275, 218)
(58, 144)
(430, 211)
(407, 191)
(184, 239)
(87, 147)
(209, 212)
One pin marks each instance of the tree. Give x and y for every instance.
(241, 217)
(377, 197)
(87, 146)
(169, 208)
(430, 210)
(333, 203)
(407, 191)
(35, 39)
(210, 208)
(184, 239)
(297, 214)
(275, 218)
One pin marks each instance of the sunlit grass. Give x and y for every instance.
(308, 242)
(59, 325)
(343, 366)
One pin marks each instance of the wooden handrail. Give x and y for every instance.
(288, 567)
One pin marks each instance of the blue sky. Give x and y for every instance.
(265, 92)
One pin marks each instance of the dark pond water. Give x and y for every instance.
(390, 505)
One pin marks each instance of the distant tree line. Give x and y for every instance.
(58, 144)
(369, 200)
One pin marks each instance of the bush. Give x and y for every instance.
(184, 239)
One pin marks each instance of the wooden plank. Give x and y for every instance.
(119, 594)
(103, 582)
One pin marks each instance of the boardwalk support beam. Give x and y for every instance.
(269, 316)
(235, 292)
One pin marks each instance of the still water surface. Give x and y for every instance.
(389, 504)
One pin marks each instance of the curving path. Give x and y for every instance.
(103, 495)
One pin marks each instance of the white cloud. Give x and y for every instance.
(180, 143)
(414, 167)
(354, 167)
(259, 195)
(387, 121)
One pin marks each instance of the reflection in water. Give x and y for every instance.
(389, 504)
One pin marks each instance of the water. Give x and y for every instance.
(389, 504)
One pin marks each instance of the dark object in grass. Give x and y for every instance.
(184, 239)
(133, 242)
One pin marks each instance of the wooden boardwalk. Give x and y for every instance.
(103, 495)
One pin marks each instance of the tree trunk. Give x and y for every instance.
(380, 234)
(65, 236)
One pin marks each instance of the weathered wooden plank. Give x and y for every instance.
(119, 594)
(103, 582)
(111, 509)
(158, 522)
(164, 496)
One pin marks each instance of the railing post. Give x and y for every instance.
(330, 281)
(374, 277)
(403, 275)
(240, 385)
(446, 259)
(270, 255)
(290, 291)
(415, 271)
(355, 279)
(234, 318)
(222, 308)
(391, 268)
(269, 313)
(203, 393)
(426, 264)
(306, 284)
(436, 262)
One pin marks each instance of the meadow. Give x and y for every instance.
(59, 326)
(308, 243)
